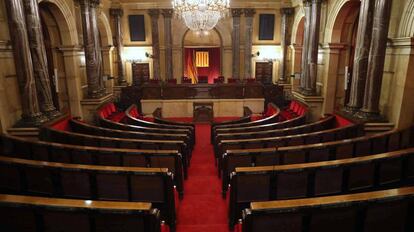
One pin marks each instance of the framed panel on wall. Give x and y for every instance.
(137, 27)
(266, 26)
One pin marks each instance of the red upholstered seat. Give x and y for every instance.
(219, 79)
(341, 121)
(232, 80)
(116, 117)
(62, 124)
(250, 80)
(172, 81)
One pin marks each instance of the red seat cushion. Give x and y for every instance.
(62, 125)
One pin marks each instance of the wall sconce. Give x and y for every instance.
(269, 54)
(136, 54)
(257, 54)
(149, 55)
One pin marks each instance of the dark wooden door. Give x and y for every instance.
(140, 73)
(264, 72)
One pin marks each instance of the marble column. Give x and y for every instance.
(370, 108)
(154, 13)
(248, 40)
(285, 42)
(117, 14)
(91, 61)
(39, 59)
(236, 13)
(305, 48)
(31, 115)
(310, 82)
(360, 66)
(94, 4)
(169, 62)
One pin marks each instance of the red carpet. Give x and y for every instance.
(202, 209)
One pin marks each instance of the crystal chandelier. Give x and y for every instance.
(201, 15)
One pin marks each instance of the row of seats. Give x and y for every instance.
(86, 128)
(379, 211)
(28, 177)
(315, 132)
(30, 213)
(136, 163)
(341, 149)
(292, 140)
(294, 109)
(145, 126)
(265, 183)
(325, 123)
(288, 182)
(16, 147)
(109, 111)
(204, 79)
(67, 137)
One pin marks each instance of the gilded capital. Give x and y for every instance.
(236, 12)
(306, 3)
(116, 12)
(94, 3)
(249, 12)
(154, 13)
(167, 13)
(287, 11)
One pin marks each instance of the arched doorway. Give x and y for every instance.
(344, 33)
(202, 55)
(297, 46)
(56, 67)
(106, 45)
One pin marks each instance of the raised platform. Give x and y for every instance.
(185, 107)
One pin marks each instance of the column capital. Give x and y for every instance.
(235, 12)
(307, 3)
(116, 12)
(249, 12)
(154, 13)
(94, 3)
(82, 2)
(287, 10)
(167, 13)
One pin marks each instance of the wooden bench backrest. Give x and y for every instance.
(327, 122)
(85, 128)
(28, 213)
(297, 121)
(342, 149)
(55, 152)
(270, 119)
(130, 119)
(29, 177)
(351, 131)
(381, 211)
(250, 184)
(68, 137)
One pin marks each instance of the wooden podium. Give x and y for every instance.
(203, 112)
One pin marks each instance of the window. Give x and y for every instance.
(202, 59)
(266, 26)
(137, 27)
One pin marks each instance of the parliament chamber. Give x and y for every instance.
(206, 115)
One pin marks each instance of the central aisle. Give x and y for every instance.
(202, 209)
